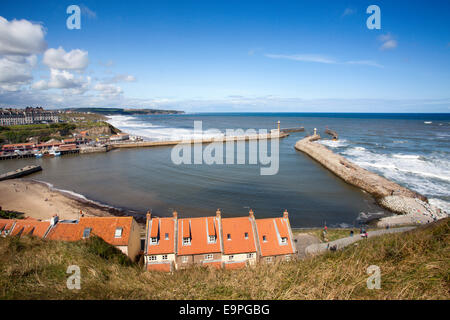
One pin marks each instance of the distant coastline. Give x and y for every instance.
(123, 111)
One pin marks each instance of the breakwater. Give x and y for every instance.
(388, 194)
(142, 144)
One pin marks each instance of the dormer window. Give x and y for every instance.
(246, 235)
(118, 233)
(86, 233)
(264, 239)
(167, 236)
(283, 240)
(186, 241)
(154, 240)
(228, 236)
(212, 239)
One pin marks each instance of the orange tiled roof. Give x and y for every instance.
(236, 228)
(103, 227)
(272, 246)
(165, 225)
(31, 227)
(6, 224)
(199, 236)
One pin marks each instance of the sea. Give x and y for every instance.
(410, 149)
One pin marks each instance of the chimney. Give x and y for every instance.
(218, 214)
(175, 214)
(285, 214)
(54, 220)
(252, 214)
(149, 215)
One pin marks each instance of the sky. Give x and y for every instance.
(227, 56)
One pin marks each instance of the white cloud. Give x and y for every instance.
(370, 63)
(21, 37)
(348, 12)
(302, 57)
(62, 79)
(60, 59)
(108, 89)
(388, 42)
(120, 78)
(16, 71)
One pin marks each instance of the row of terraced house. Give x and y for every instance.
(172, 243)
(230, 243)
(28, 115)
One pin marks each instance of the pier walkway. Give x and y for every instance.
(141, 144)
(318, 248)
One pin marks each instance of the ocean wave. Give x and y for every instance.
(442, 204)
(334, 143)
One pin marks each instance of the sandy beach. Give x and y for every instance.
(40, 201)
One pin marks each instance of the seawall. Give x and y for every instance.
(388, 194)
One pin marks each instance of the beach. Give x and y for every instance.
(38, 200)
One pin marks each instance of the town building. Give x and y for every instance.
(199, 241)
(159, 253)
(119, 137)
(229, 243)
(121, 232)
(239, 242)
(275, 239)
(28, 115)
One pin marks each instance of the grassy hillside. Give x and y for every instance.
(413, 265)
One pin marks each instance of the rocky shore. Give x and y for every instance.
(412, 207)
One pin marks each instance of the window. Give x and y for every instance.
(86, 232)
(288, 257)
(246, 235)
(118, 233)
(167, 236)
(164, 257)
(249, 255)
(230, 258)
(152, 258)
(208, 256)
(268, 259)
(228, 236)
(264, 238)
(154, 240)
(283, 240)
(212, 239)
(186, 241)
(184, 259)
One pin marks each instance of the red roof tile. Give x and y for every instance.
(237, 228)
(103, 227)
(199, 237)
(272, 247)
(31, 227)
(164, 246)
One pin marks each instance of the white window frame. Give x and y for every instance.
(229, 236)
(186, 241)
(283, 240)
(209, 256)
(116, 232)
(154, 240)
(288, 257)
(230, 258)
(166, 236)
(184, 259)
(164, 257)
(152, 258)
(269, 259)
(249, 255)
(211, 239)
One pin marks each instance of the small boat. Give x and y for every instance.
(38, 155)
(428, 122)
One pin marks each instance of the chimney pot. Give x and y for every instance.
(175, 214)
(252, 214)
(218, 213)
(149, 215)
(285, 214)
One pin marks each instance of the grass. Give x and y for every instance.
(414, 265)
(8, 214)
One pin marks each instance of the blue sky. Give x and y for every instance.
(233, 56)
